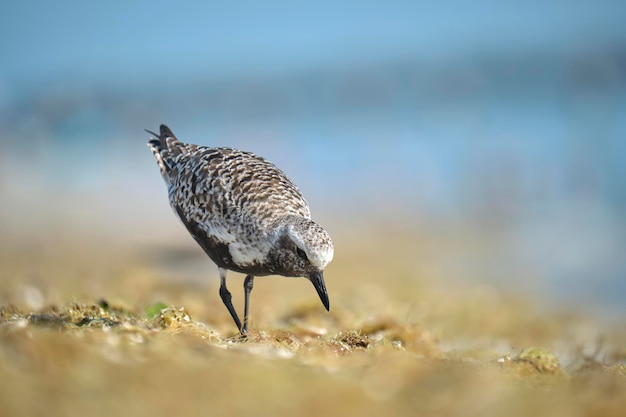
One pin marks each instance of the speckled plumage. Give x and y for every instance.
(244, 212)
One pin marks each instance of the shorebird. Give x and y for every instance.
(244, 213)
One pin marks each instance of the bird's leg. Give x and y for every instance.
(247, 288)
(226, 298)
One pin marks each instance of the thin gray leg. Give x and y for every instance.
(247, 288)
(226, 298)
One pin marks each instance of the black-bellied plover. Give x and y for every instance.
(245, 213)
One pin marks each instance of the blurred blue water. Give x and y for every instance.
(509, 117)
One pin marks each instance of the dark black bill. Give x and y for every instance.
(317, 278)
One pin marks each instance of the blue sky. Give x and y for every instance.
(100, 40)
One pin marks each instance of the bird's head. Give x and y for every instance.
(303, 249)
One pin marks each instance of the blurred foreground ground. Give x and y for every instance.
(81, 334)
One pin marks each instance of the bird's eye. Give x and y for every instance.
(301, 253)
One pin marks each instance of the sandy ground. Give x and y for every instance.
(95, 327)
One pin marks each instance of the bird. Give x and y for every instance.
(245, 213)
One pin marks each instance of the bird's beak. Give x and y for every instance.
(317, 278)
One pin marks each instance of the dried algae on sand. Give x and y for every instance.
(130, 342)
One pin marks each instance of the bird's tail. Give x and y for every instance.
(165, 148)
